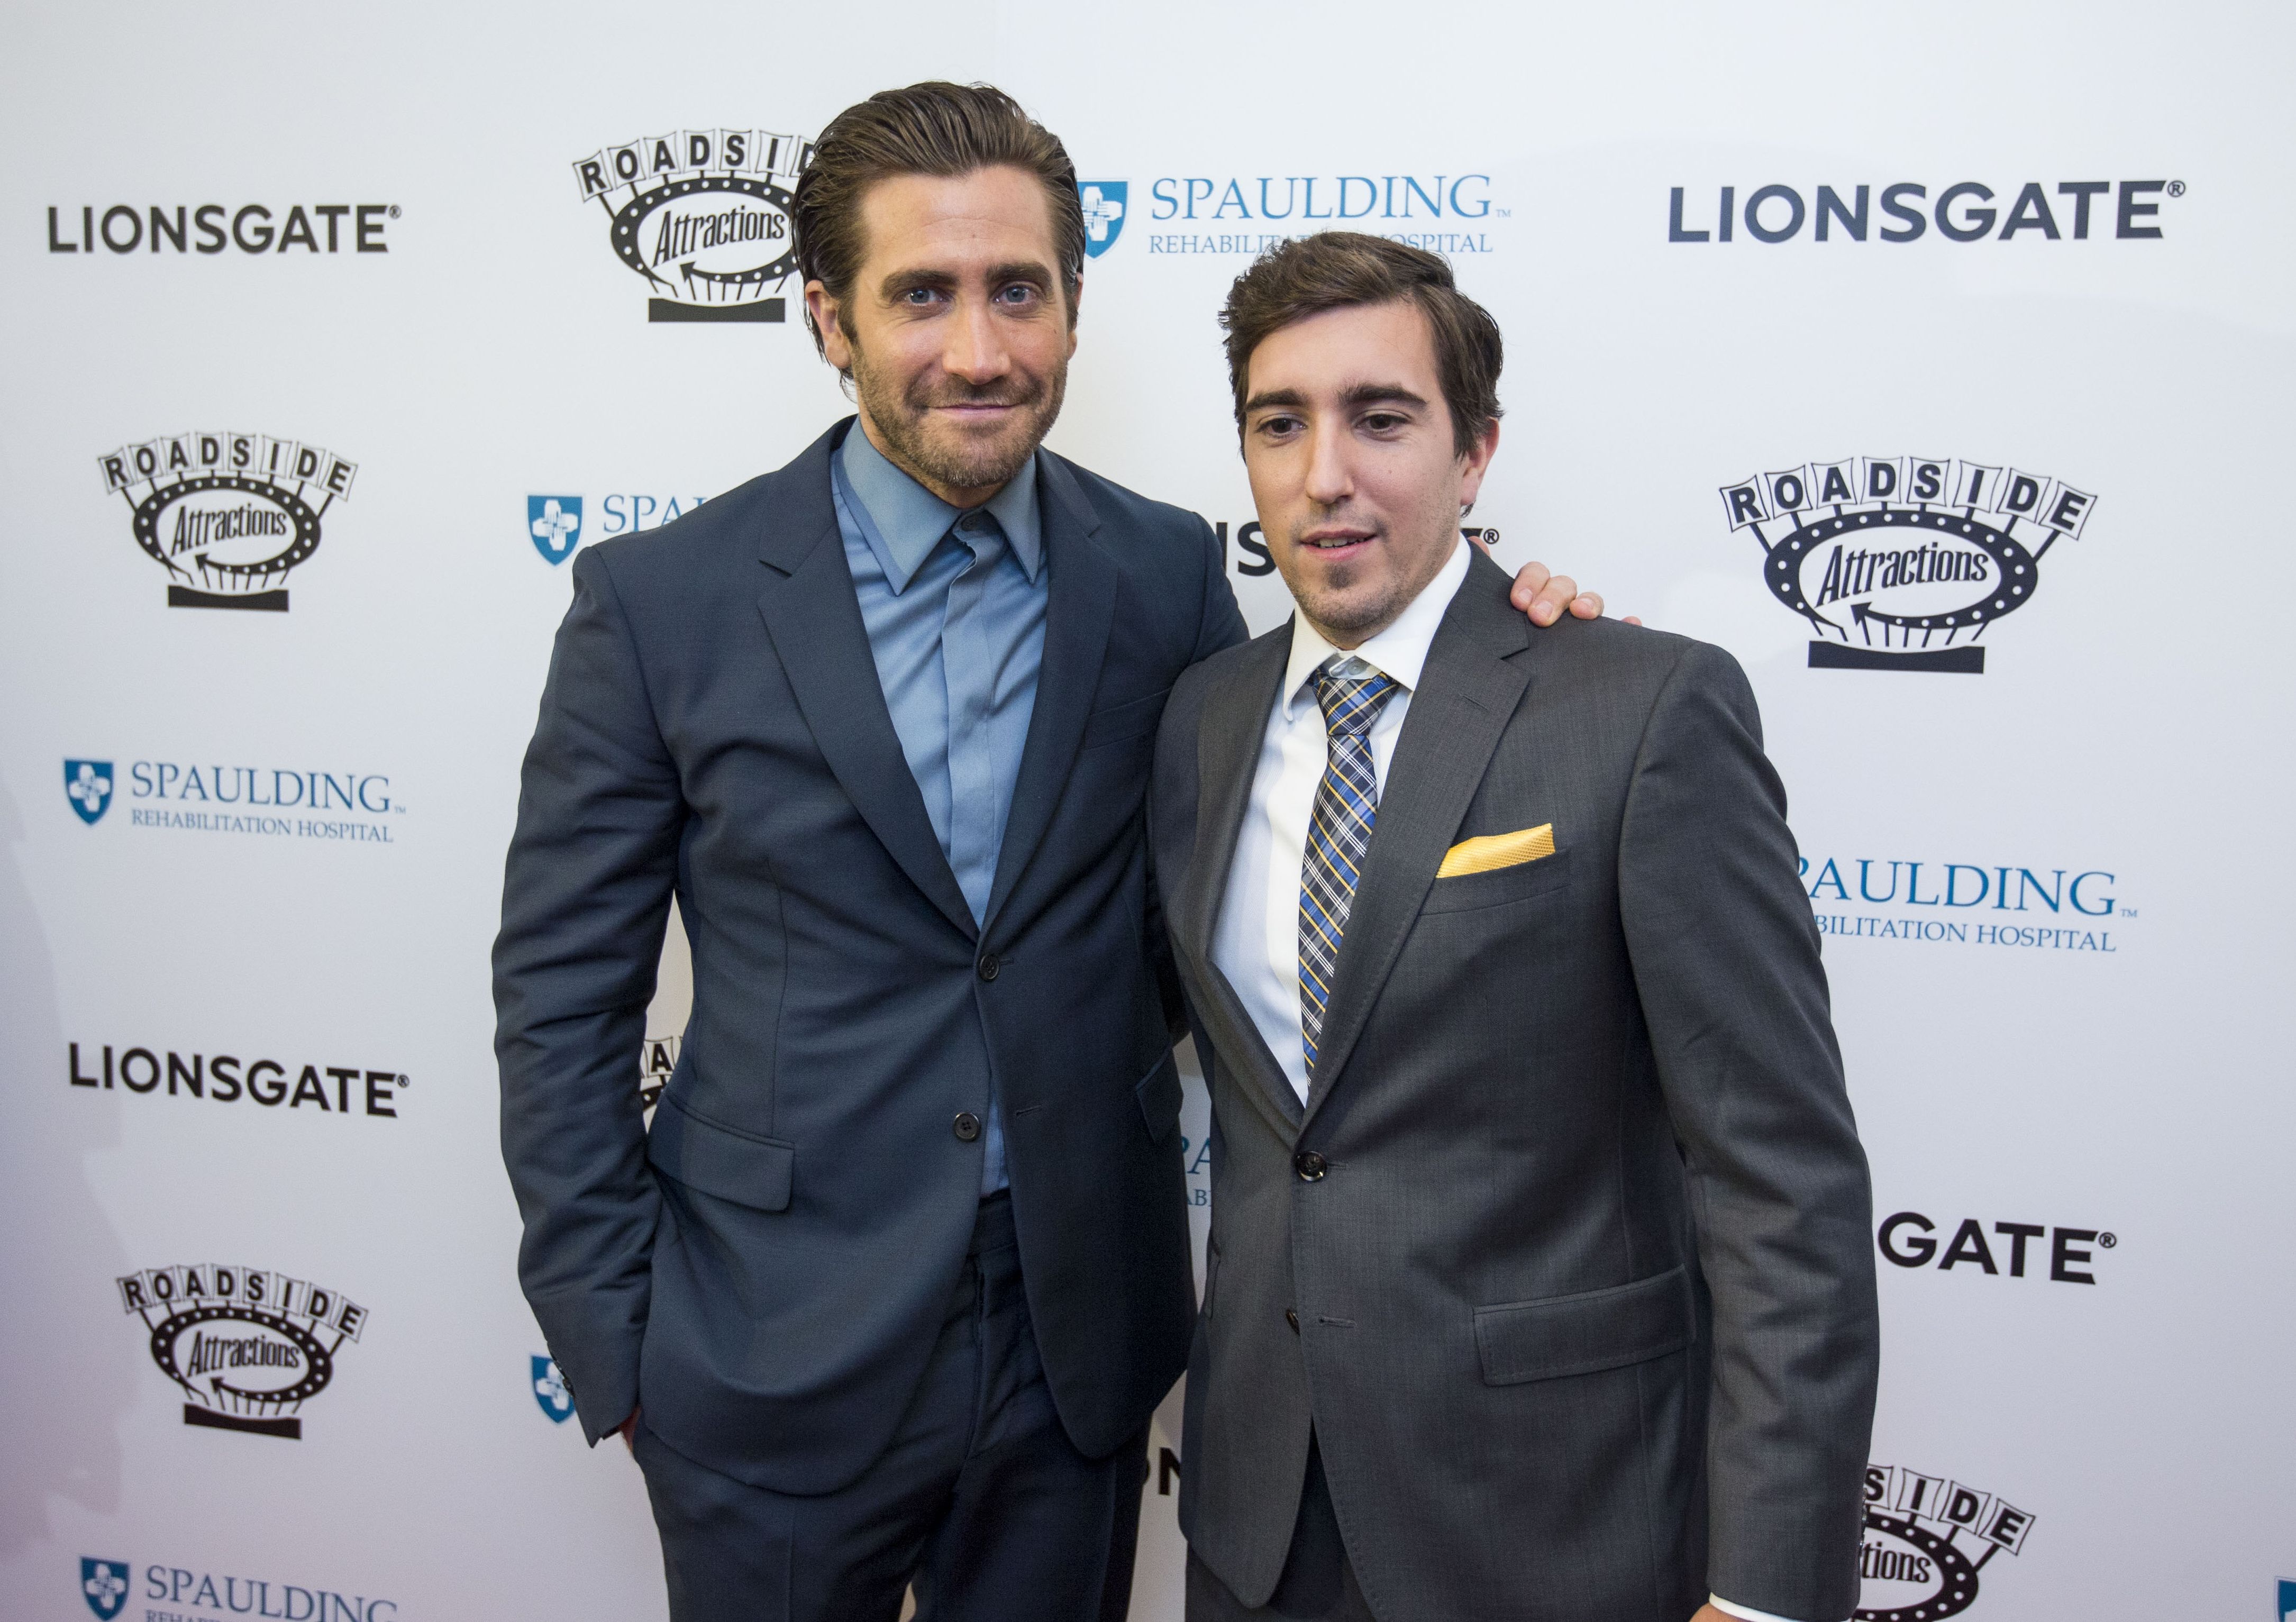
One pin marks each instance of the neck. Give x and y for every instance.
(964, 498)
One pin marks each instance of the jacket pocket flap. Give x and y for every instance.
(1131, 719)
(724, 1161)
(1159, 1093)
(1579, 1334)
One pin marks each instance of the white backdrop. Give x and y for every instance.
(287, 842)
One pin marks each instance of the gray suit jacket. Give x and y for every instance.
(1582, 1282)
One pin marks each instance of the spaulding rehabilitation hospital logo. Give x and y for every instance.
(249, 1348)
(1902, 563)
(227, 515)
(704, 217)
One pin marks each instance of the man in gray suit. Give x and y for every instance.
(1539, 1281)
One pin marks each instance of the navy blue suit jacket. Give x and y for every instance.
(768, 1269)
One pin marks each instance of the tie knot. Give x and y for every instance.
(1352, 702)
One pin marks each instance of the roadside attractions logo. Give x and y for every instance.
(249, 1348)
(108, 1585)
(209, 797)
(559, 524)
(1904, 562)
(228, 515)
(1968, 211)
(226, 1078)
(703, 216)
(1967, 904)
(1926, 1540)
(656, 1062)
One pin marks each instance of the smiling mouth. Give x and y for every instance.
(1335, 542)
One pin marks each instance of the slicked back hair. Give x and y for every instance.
(935, 128)
(1334, 270)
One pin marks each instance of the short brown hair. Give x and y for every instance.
(1335, 270)
(934, 128)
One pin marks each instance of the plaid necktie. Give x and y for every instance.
(1347, 804)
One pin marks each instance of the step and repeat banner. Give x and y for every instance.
(1934, 360)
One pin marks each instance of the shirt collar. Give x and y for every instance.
(903, 521)
(1399, 653)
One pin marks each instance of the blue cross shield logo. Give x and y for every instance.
(1103, 214)
(104, 1583)
(555, 523)
(2287, 1600)
(88, 784)
(550, 1391)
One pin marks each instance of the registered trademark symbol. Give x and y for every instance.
(404, 1083)
(394, 208)
(2107, 1240)
(2176, 188)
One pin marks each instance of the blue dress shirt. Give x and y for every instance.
(953, 604)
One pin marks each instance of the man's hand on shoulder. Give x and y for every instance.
(1543, 596)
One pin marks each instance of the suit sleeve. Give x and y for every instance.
(1726, 959)
(586, 894)
(1220, 625)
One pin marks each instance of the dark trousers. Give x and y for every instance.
(980, 1499)
(1318, 1585)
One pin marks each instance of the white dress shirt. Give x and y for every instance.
(1256, 942)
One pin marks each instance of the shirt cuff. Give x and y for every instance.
(1746, 1611)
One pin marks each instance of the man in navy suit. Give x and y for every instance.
(887, 1294)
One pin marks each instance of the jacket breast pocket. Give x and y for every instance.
(720, 1160)
(1580, 1334)
(1500, 886)
(1118, 723)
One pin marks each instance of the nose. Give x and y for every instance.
(1331, 478)
(975, 350)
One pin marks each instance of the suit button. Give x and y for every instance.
(1291, 1317)
(1310, 1166)
(989, 965)
(967, 1126)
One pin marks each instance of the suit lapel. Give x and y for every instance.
(1467, 692)
(815, 619)
(1229, 736)
(1080, 607)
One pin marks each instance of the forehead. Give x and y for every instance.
(1338, 349)
(915, 222)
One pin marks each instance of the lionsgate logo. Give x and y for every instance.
(225, 1078)
(1926, 1540)
(214, 227)
(228, 515)
(703, 216)
(1903, 563)
(249, 1348)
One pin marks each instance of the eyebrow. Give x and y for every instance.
(1354, 394)
(900, 281)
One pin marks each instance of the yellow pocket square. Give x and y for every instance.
(1490, 850)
